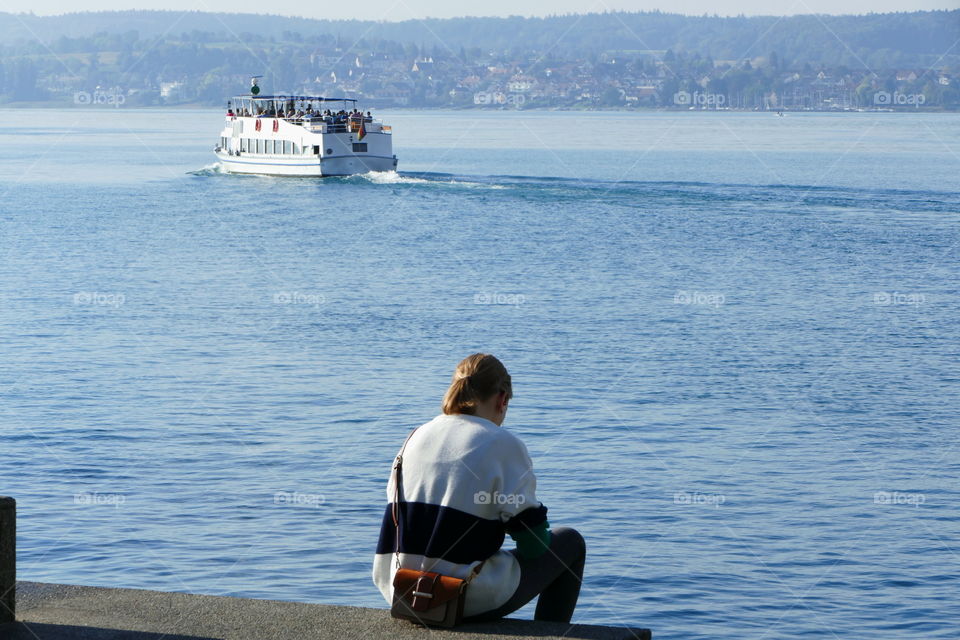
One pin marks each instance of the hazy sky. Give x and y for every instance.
(405, 9)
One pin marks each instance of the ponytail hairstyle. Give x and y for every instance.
(476, 379)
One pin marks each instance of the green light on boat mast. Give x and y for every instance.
(254, 89)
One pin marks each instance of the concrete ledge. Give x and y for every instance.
(66, 612)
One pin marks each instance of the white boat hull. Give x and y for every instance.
(292, 147)
(305, 166)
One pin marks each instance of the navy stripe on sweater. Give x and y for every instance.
(450, 534)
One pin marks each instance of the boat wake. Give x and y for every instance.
(212, 169)
(390, 177)
(426, 178)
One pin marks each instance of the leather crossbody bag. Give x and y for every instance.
(424, 597)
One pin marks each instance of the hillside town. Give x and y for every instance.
(203, 68)
(622, 80)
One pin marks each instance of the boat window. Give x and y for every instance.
(316, 149)
(287, 147)
(259, 146)
(243, 144)
(359, 147)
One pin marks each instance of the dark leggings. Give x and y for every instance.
(555, 576)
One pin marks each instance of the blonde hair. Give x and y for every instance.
(476, 379)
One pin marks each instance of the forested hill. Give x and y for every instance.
(916, 39)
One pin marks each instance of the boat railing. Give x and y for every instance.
(319, 125)
(323, 124)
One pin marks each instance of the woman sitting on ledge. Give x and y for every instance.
(466, 483)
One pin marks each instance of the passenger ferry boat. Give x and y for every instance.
(302, 136)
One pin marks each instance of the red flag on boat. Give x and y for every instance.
(362, 131)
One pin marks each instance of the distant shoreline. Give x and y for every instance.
(47, 104)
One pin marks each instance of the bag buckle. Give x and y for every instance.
(423, 592)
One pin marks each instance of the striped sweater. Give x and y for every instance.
(466, 483)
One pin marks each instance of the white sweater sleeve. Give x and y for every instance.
(517, 498)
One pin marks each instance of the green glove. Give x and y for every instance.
(534, 542)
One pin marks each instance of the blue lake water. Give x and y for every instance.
(734, 340)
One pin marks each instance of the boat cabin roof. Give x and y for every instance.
(248, 96)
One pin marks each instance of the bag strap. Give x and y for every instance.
(395, 511)
(397, 476)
